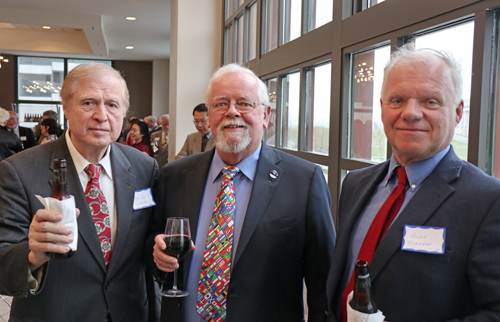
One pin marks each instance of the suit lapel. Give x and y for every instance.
(124, 193)
(262, 191)
(432, 193)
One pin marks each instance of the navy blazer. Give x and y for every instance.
(287, 236)
(410, 286)
(79, 288)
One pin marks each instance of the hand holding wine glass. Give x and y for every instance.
(178, 244)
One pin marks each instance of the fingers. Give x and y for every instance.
(45, 235)
(163, 261)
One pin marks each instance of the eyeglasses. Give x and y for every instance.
(242, 106)
(200, 122)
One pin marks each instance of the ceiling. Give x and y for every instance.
(89, 29)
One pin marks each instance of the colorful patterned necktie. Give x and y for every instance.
(377, 229)
(216, 267)
(99, 210)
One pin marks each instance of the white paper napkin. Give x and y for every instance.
(68, 209)
(356, 316)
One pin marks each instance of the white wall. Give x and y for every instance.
(195, 53)
(160, 86)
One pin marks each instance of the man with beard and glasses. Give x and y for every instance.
(270, 232)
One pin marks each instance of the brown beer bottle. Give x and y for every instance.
(60, 191)
(362, 299)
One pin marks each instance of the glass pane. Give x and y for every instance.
(228, 45)
(318, 88)
(290, 88)
(325, 171)
(240, 23)
(494, 120)
(292, 11)
(271, 128)
(319, 12)
(240, 2)
(72, 63)
(31, 114)
(252, 38)
(366, 133)
(374, 2)
(462, 50)
(228, 8)
(40, 79)
(270, 25)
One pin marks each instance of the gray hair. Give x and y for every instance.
(4, 115)
(91, 71)
(407, 56)
(236, 68)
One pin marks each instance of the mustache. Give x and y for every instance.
(234, 122)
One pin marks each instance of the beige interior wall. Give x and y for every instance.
(195, 51)
(160, 86)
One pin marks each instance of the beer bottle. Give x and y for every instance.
(60, 191)
(362, 299)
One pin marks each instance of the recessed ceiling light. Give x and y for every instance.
(6, 60)
(130, 18)
(129, 47)
(46, 27)
(1, 57)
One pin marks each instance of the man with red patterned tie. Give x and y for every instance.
(426, 221)
(260, 218)
(105, 278)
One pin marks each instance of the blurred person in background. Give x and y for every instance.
(140, 136)
(23, 133)
(49, 129)
(9, 142)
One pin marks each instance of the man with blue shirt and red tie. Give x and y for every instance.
(427, 222)
(273, 233)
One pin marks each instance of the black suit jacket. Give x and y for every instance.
(287, 236)
(9, 143)
(79, 288)
(27, 137)
(463, 284)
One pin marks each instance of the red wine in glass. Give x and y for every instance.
(177, 245)
(178, 240)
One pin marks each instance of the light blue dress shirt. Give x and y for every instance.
(243, 184)
(416, 172)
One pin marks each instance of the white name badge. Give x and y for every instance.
(143, 199)
(424, 239)
(23, 138)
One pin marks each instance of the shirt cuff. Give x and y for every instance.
(34, 280)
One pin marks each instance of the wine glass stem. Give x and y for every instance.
(175, 280)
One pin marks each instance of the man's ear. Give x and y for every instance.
(267, 112)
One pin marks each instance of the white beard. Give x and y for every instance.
(237, 142)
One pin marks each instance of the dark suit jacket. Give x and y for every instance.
(27, 137)
(79, 288)
(287, 236)
(409, 286)
(9, 143)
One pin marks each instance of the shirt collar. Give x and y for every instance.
(81, 163)
(417, 171)
(247, 166)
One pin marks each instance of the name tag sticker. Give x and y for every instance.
(424, 239)
(143, 199)
(23, 138)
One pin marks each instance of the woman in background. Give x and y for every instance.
(140, 135)
(49, 130)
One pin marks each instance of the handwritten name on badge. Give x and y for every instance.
(143, 199)
(424, 239)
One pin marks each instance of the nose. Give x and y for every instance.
(232, 111)
(100, 113)
(412, 110)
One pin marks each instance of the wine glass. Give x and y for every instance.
(178, 240)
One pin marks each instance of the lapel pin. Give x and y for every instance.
(273, 174)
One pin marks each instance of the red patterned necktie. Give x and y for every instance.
(377, 229)
(99, 210)
(216, 267)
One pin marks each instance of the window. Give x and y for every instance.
(251, 13)
(270, 25)
(493, 145)
(317, 108)
(271, 128)
(228, 44)
(290, 89)
(446, 40)
(72, 63)
(366, 138)
(240, 25)
(40, 79)
(318, 13)
(292, 10)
